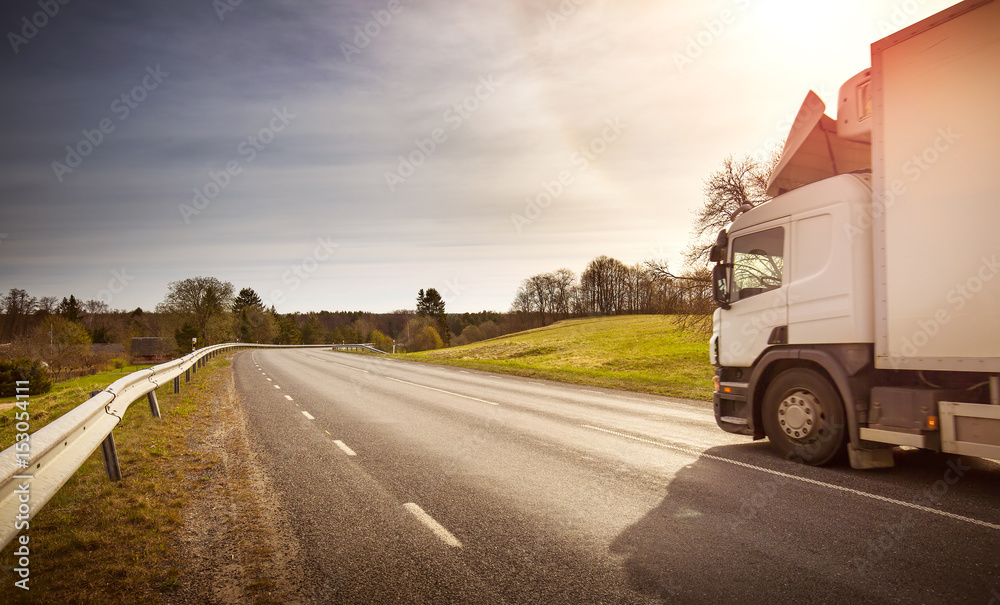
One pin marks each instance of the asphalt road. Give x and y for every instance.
(409, 483)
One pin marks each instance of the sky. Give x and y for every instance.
(338, 155)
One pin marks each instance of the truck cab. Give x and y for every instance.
(860, 306)
(794, 286)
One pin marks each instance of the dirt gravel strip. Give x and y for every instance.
(236, 543)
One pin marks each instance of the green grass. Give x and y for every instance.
(84, 384)
(103, 542)
(63, 397)
(645, 353)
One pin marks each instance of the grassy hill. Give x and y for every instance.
(646, 353)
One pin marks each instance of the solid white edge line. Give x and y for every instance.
(308, 415)
(288, 397)
(441, 391)
(343, 446)
(839, 488)
(438, 529)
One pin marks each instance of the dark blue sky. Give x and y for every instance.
(343, 155)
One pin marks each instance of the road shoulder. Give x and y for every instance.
(235, 541)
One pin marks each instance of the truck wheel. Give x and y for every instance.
(804, 417)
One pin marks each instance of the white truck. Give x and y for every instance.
(860, 306)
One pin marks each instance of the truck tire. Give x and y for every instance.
(803, 417)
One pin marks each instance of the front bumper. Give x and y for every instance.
(732, 413)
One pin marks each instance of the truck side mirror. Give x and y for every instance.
(720, 284)
(717, 254)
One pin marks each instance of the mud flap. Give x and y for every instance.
(863, 458)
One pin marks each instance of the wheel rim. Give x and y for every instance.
(800, 416)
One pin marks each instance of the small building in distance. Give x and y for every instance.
(151, 349)
(114, 349)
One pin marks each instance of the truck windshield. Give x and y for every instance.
(758, 259)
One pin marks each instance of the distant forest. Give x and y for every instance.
(61, 332)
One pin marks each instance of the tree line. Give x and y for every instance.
(208, 311)
(608, 286)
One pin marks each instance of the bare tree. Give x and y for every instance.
(548, 295)
(563, 285)
(17, 307)
(740, 181)
(95, 307)
(47, 305)
(601, 286)
(198, 299)
(523, 302)
(609, 287)
(540, 289)
(688, 295)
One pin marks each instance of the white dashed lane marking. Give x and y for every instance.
(345, 449)
(438, 529)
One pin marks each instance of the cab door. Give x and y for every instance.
(759, 294)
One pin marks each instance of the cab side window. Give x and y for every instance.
(758, 260)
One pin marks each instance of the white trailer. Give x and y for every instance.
(861, 305)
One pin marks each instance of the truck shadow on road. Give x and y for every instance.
(728, 533)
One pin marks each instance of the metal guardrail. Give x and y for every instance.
(60, 448)
(359, 347)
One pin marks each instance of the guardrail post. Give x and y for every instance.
(177, 384)
(154, 406)
(110, 453)
(187, 375)
(111, 458)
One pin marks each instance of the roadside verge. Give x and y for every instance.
(188, 523)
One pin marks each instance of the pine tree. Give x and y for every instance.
(430, 304)
(247, 298)
(70, 308)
